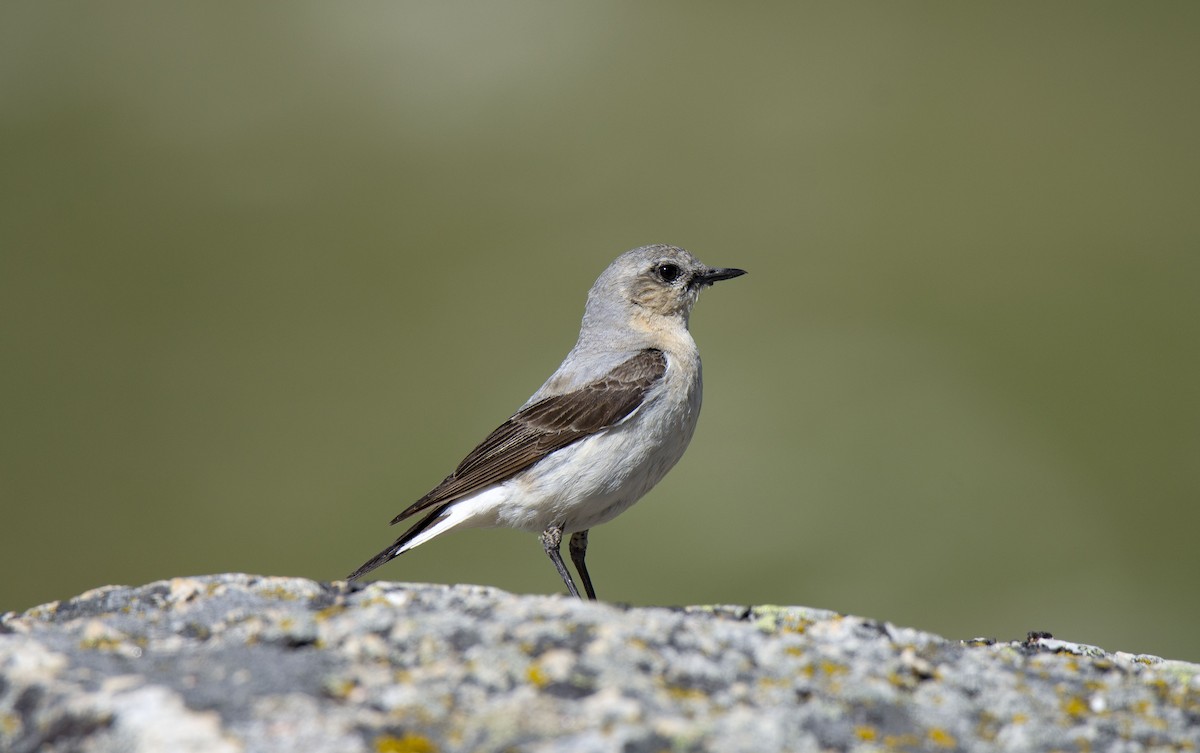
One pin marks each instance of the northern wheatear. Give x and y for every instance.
(604, 428)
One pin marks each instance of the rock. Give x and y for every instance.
(244, 663)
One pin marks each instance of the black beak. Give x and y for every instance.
(709, 276)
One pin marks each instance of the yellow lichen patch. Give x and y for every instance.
(100, 643)
(942, 738)
(1157, 722)
(832, 669)
(406, 744)
(1191, 700)
(901, 741)
(865, 733)
(536, 676)
(328, 612)
(774, 682)
(794, 651)
(899, 680)
(795, 624)
(1075, 706)
(1161, 688)
(10, 725)
(1019, 719)
(685, 694)
(767, 619)
(277, 592)
(43, 611)
(988, 727)
(340, 689)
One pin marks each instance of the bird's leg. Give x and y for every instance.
(578, 552)
(551, 541)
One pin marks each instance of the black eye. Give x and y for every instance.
(667, 272)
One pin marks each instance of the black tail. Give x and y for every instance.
(394, 550)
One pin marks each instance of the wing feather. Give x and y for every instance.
(548, 425)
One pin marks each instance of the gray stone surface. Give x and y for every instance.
(244, 663)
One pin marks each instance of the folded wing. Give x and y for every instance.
(548, 425)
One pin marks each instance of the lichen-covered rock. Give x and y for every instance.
(244, 663)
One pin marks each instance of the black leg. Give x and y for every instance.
(551, 541)
(578, 552)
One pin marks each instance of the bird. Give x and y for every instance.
(606, 426)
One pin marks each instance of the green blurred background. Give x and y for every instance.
(270, 270)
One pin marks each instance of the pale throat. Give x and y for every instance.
(667, 333)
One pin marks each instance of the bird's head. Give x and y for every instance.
(652, 287)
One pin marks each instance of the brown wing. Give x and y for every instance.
(547, 425)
